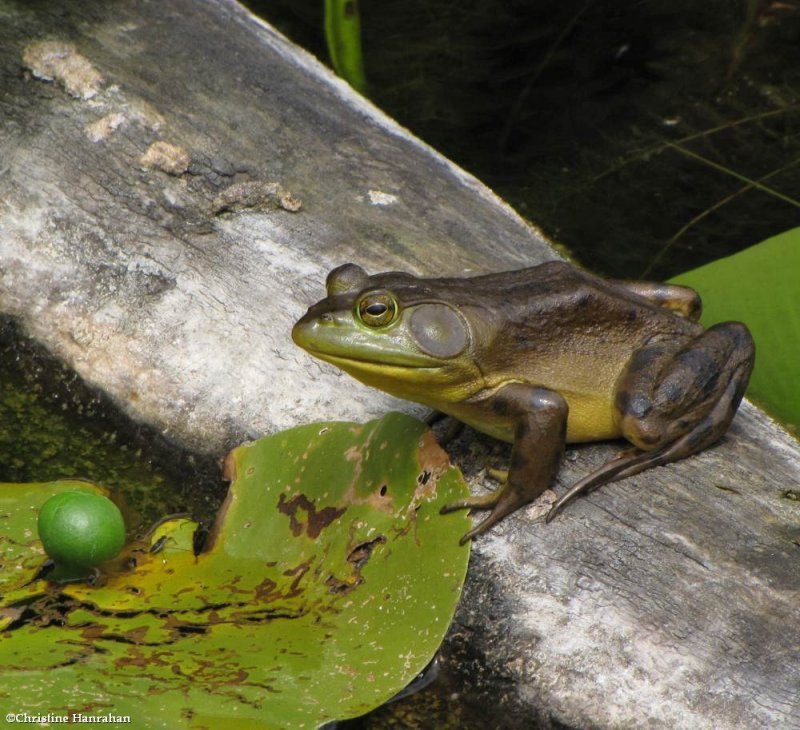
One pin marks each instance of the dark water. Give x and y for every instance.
(647, 137)
(54, 426)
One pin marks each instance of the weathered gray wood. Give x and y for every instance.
(668, 600)
(127, 272)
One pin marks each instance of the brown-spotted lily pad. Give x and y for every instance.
(329, 583)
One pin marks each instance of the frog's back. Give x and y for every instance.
(561, 328)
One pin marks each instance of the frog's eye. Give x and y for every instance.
(377, 308)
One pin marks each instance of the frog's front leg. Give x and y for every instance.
(675, 399)
(539, 417)
(452, 430)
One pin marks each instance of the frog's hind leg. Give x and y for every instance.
(675, 401)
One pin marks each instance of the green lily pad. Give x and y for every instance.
(758, 286)
(329, 583)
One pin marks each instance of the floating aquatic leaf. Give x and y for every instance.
(329, 582)
(759, 286)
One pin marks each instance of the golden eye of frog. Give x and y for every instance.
(540, 357)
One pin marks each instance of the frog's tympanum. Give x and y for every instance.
(540, 357)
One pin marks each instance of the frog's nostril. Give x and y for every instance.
(327, 317)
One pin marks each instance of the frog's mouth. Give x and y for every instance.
(361, 353)
(409, 381)
(387, 365)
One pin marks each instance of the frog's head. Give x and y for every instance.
(392, 331)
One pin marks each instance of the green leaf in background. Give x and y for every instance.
(760, 286)
(343, 37)
(328, 585)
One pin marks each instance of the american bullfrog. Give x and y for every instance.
(540, 357)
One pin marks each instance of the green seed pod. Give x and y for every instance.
(81, 529)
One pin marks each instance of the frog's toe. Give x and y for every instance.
(485, 501)
(505, 503)
(501, 475)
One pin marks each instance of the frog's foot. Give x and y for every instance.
(502, 502)
(674, 404)
(609, 472)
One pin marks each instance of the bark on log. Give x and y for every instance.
(148, 237)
